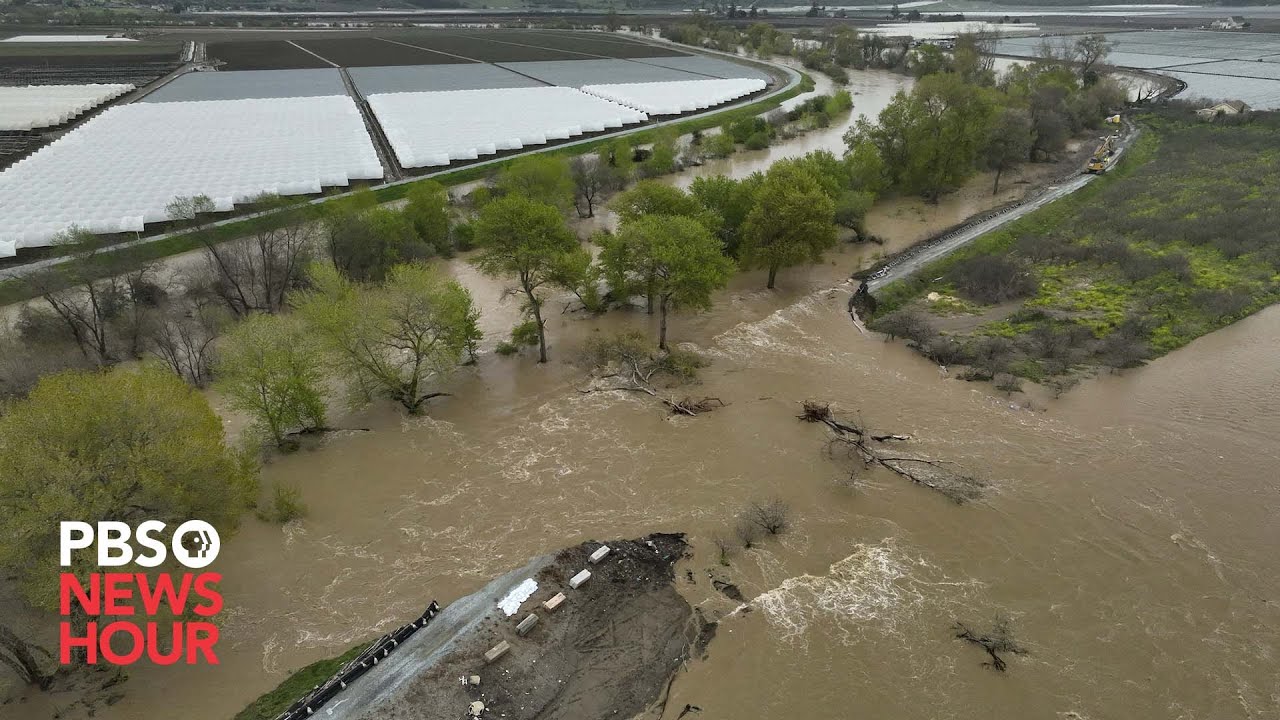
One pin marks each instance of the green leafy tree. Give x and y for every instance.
(793, 221)
(126, 445)
(540, 177)
(427, 210)
(364, 242)
(730, 200)
(620, 156)
(930, 140)
(1008, 143)
(680, 260)
(851, 209)
(865, 168)
(662, 156)
(831, 172)
(392, 340)
(529, 241)
(650, 197)
(928, 59)
(272, 369)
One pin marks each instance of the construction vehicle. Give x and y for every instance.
(1103, 156)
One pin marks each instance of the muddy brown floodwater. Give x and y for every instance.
(1130, 534)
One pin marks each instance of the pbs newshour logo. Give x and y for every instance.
(120, 618)
(115, 549)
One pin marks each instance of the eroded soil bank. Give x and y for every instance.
(608, 650)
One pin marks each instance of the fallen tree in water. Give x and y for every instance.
(626, 363)
(999, 639)
(871, 449)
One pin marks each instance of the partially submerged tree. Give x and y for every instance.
(731, 200)
(365, 241)
(650, 197)
(529, 241)
(127, 445)
(98, 298)
(256, 274)
(396, 339)
(674, 259)
(793, 221)
(626, 362)
(271, 368)
(593, 178)
(31, 663)
(182, 337)
(1009, 142)
(771, 517)
(427, 209)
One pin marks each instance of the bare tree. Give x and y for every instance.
(592, 180)
(183, 338)
(771, 517)
(256, 274)
(723, 548)
(747, 532)
(1089, 52)
(909, 323)
(93, 295)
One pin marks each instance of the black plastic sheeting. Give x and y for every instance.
(378, 651)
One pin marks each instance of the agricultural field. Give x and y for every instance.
(250, 84)
(122, 169)
(1215, 65)
(436, 128)
(416, 101)
(423, 47)
(135, 63)
(263, 55)
(1174, 244)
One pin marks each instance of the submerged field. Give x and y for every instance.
(1182, 239)
(1216, 65)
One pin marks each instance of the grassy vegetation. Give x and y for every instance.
(271, 704)
(12, 291)
(1179, 240)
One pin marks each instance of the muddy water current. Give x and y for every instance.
(1130, 532)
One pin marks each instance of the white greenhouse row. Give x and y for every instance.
(674, 98)
(41, 106)
(435, 128)
(119, 170)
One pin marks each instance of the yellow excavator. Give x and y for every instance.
(1103, 156)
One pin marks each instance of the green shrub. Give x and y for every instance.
(526, 333)
(285, 505)
(506, 349)
(757, 141)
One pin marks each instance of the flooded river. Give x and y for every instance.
(1130, 533)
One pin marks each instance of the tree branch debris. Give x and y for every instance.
(998, 640)
(869, 449)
